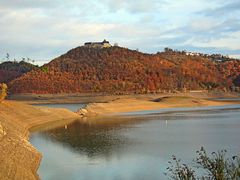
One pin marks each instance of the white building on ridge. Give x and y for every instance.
(104, 44)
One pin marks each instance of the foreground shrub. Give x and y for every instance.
(3, 91)
(215, 166)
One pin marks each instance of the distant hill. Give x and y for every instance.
(117, 70)
(11, 70)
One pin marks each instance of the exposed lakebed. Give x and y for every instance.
(137, 148)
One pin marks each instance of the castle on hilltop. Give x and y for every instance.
(104, 44)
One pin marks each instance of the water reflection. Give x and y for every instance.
(187, 112)
(133, 146)
(91, 140)
(101, 137)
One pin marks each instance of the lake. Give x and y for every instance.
(137, 148)
(71, 107)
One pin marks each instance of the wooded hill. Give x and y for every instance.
(119, 70)
(11, 70)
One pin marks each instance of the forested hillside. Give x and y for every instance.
(119, 70)
(10, 70)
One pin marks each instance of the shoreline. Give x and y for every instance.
(18, 120)
(19, 159)
(126, 105)
(103, 98)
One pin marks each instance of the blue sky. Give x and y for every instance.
(44, 29)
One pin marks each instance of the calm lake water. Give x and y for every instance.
(71, 107)
(137, 148)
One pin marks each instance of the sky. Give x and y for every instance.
(45, 29)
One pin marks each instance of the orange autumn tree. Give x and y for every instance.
(3, 91)
(119, 70)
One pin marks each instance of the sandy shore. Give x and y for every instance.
(19, 159)
(133, 104)
(102, 98)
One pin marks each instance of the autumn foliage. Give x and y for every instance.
(3, 91)
(11, 70)
(119, 70)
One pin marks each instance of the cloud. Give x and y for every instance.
(231, 42)
(229, 8)
(24, 4)
(46, 29)
(237, 56)
(132, 6)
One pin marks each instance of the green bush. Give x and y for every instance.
(215, 166)
(44, 69)
(3, 91)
